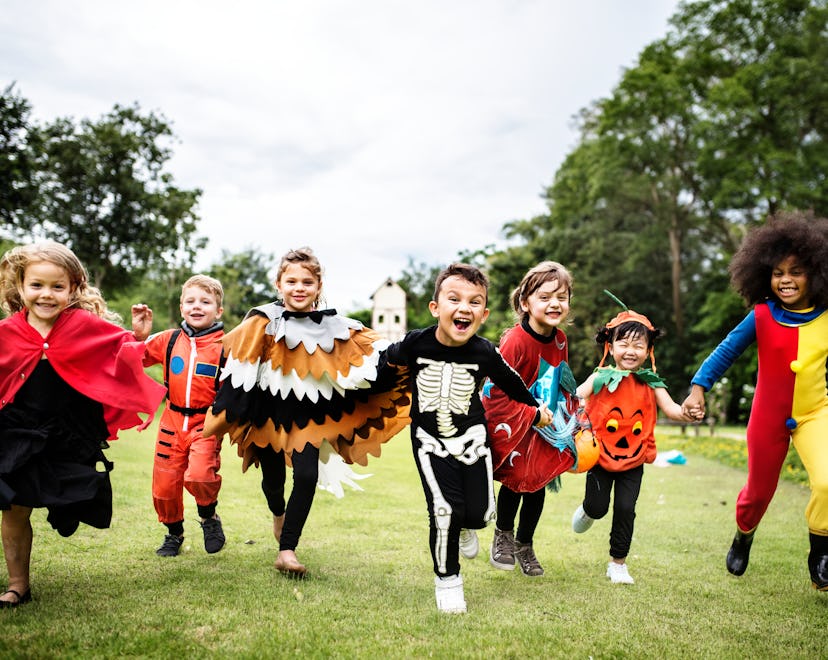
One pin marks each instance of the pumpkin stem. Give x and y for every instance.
(615, 298)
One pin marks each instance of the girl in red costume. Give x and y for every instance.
(525, 462)
(781, 269)
(69, 380)
(622, 403)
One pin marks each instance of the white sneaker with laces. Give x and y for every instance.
(469, 545)
(581, 522)
(449, 594)
(618, 573)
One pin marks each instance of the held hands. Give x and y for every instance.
(693, 406)
(545, 416)
(141, 321)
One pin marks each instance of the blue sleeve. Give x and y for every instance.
(726, 353)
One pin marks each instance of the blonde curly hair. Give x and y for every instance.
(13, 270)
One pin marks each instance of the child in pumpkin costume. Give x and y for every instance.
(781, 268)
(622, 403)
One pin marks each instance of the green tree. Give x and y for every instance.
(719, 123)
(17, 186)
(245, 277)
(417, 280)
(104, 191)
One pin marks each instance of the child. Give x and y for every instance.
(621, 403)
(184, 456)
(781, 269)
(525, 462)
(69, 380)
(448, 362)
(297, 376)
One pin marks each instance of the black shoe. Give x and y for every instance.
(213, 534)
(171, 546)
(819, 573)
(818, 561)
(68, 529)
(739, 553)
(21, 599)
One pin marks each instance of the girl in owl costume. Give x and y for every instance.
(300, 386)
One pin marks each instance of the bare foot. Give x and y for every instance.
(289, 565)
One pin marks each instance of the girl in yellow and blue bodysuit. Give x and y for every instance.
(781, 269)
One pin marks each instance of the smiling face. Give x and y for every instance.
(199, 308)
(46, 292)
(789, 283)
(299, 288)
(630, 351)
(460, 310)
(546, 307)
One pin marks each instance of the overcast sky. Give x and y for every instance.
(370, 130)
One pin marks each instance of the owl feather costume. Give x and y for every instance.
(293, 378)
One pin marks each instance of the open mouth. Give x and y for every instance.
(462, 324)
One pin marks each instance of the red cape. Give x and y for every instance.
(94, 356)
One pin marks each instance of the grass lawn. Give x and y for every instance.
(370, 593)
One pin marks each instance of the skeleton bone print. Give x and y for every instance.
(445, 387)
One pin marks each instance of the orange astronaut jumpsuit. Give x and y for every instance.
(184, 458)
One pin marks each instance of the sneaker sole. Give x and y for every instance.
(500, 566)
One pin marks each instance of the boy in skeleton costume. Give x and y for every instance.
(447, 364)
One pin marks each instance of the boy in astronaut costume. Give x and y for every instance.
(184, 457)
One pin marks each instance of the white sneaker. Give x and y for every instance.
(469, 545)
(581, 522)
(619, 574)
(449, 594)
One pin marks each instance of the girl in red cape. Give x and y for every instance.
(70, 379)
(524, 461)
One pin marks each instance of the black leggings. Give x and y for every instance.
(457, 495)
(599, 483)
(305, 476)
(508, 502)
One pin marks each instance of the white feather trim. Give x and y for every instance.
(334, 472)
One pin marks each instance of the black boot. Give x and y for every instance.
(818, 562)
(739, 553)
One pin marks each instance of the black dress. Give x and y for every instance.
(51, 453)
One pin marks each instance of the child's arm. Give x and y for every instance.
(694, 403)
(584, 390)
(670, 408)
(507, 379)
(141, 321)
(719, 361)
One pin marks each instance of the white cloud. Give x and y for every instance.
(371, 131)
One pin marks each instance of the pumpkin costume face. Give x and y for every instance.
(623, 420)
